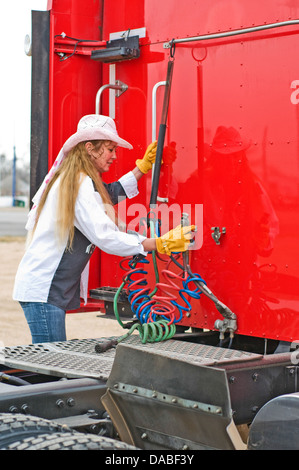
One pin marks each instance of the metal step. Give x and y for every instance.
(78, 358)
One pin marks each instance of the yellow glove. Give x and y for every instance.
(145, 164)
(177, 239)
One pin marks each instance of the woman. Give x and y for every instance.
(72, 214)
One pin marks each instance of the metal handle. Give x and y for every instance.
(118, 85)
(154, 125)
(154, 109)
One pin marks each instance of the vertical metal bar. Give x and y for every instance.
(39, 99)
(154, 109)
(13, 190)
(112, 92)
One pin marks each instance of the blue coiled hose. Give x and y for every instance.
(141, 298)
(156, 326)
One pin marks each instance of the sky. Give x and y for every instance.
(15, 77)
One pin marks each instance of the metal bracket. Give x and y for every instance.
(169, 399)
(119, 86)
(216, 234)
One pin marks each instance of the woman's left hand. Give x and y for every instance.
(145, 164)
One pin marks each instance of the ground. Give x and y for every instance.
(13, 327)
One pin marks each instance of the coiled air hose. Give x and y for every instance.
(156, 311)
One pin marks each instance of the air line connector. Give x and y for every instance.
(226, 325)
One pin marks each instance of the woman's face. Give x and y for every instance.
(102, 156)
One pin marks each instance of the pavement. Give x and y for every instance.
(13, 221)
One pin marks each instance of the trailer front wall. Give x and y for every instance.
(226, 93)
(231, 142)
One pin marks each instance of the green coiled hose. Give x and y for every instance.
(151, 332)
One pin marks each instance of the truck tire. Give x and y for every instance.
(68, 441)
(15, 427)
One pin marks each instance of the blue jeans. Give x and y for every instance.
(46, 322)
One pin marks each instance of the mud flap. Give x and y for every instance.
(159, 401)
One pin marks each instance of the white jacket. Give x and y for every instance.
(50, 273)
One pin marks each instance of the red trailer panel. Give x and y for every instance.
(231, 141)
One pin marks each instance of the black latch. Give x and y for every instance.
(118, 49)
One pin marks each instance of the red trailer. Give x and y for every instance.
(220, 79)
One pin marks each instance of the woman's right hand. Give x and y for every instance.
(176, 240)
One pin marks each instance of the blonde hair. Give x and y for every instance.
(76, 163)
